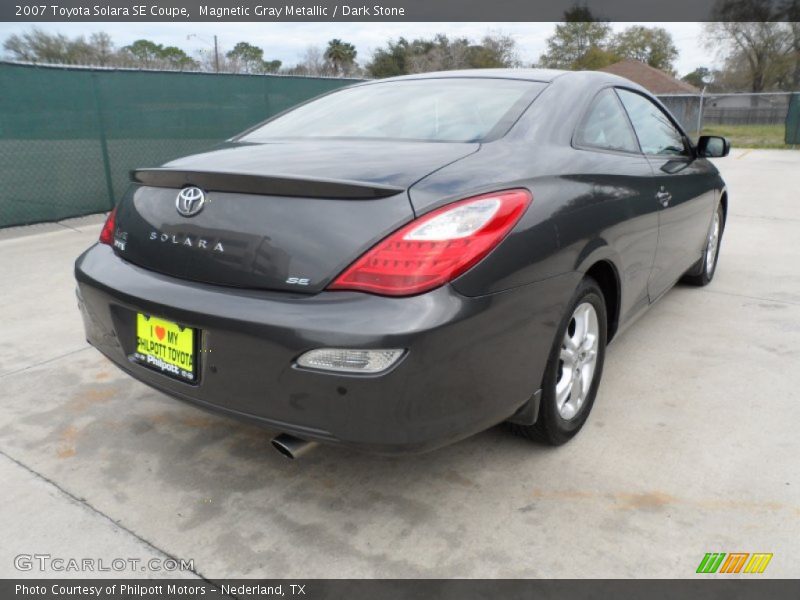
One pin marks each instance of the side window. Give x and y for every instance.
(606, 126)
(656, 133)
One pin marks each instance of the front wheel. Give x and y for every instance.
(703, 271)
(573, 370)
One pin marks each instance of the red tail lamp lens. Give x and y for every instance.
(107, 233)
(437, 247)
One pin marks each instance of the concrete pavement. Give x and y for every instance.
(692, 446)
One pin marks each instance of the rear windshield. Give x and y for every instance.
(446, 110)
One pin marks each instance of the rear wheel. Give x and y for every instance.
(573, 370)
(703, 271)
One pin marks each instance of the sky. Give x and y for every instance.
(287, 41)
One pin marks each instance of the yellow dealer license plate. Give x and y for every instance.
(166, 346)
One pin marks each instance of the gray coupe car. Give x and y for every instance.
(403, 263)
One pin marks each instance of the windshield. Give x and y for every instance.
(451, 110)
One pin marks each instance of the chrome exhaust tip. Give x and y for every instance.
(292, 447)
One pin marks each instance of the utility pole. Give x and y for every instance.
(707, 79)
(216, 55)
(700, 111)
(207, 41)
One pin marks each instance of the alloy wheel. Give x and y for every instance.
(577, 361)
(713, 244)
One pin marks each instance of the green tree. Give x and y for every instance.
(493, 52)
(389, 61)
(699, 78)
(271, 66)
(438, 54)
(249, 57)
(441, 53)
(595, 58)
(651, 45)
(145, 53)
(149, 55)
(341, 56)
(175, 58)
(578, 34)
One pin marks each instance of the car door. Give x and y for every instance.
(682, 190)
(620, 174)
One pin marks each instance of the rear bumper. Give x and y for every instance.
(470, 363)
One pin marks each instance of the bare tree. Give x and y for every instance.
(757, 52)
(312, 63)
(496, 50)
(795, 29)
(208, 62)
(102, 48)
(38, 46)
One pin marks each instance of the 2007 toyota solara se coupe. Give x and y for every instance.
(403, 263)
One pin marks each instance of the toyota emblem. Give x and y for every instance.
(190, 201)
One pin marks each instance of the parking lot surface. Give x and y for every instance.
(692, 446)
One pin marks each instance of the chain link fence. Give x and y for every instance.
(69, 136)
(775, 113)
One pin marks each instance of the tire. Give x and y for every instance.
(702, 272)
(562, 416)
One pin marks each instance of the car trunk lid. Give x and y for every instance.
(283, 216)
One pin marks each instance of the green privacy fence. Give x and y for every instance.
(69, 136)
(793, 121)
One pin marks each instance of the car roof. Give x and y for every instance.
(545, 75)
(542, 75)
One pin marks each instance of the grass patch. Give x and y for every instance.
(750, 136)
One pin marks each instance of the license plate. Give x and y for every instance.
(166, 347)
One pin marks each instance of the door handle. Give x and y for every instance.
(663, 196)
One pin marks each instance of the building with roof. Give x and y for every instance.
(650, 78)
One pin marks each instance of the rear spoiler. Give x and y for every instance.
(273, 185)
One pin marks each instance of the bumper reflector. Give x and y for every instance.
(349, 361)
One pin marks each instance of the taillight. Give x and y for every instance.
(437, 247)
(107, 233)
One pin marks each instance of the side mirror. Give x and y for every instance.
(713, 146)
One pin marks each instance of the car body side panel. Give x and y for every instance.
(591, 200)
(588, 205)
(684, 221)
(605, 211)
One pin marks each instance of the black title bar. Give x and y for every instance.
(394, 10)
